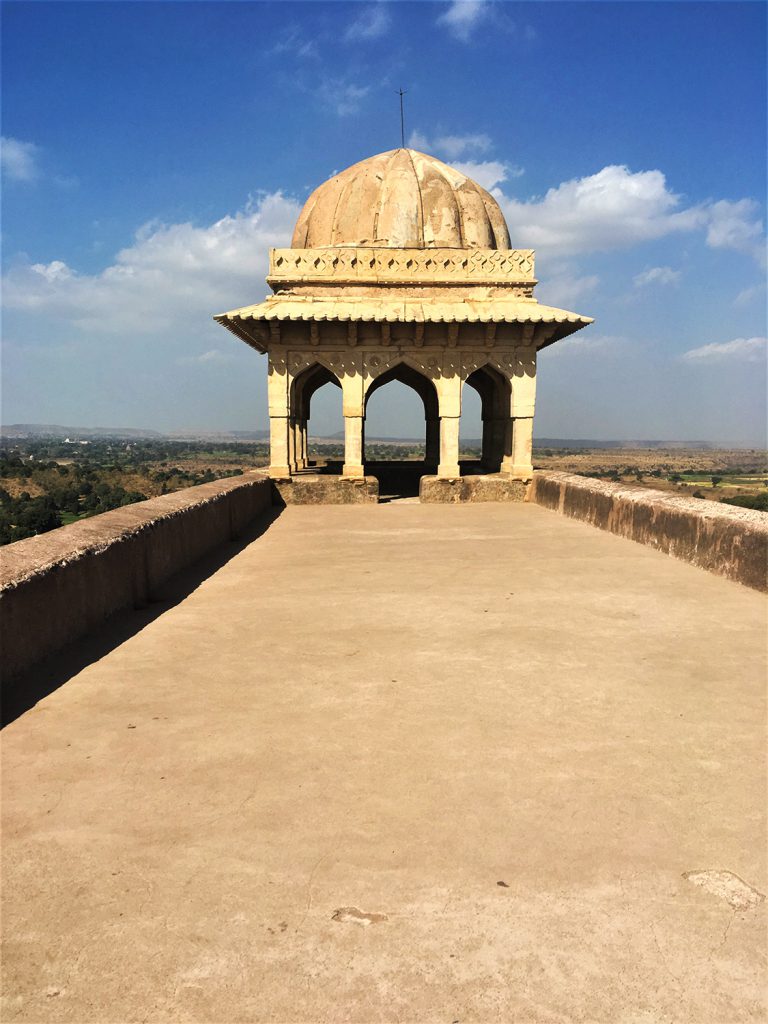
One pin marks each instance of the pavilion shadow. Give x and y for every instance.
(24, 691)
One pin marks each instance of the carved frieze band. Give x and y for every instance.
(435, 365)
(358, 265)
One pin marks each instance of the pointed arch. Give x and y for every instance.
(409, 373)
(495, 393)
(303, 387)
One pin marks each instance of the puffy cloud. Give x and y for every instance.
(213, 355)
(742, 350)
(735, 225)
(172, 275)
(462, 17)
(610, 209)
(487, 173)
(656, 275)
(451, 146)
(585, 343)
(342, 96)
(374, 22)
(19, 160)
(617, 208)
(747, 295)
(563, 287)
(293, 43)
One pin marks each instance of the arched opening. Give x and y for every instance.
(470, 429)
(399, 468)
(486, 448)
(323, 448)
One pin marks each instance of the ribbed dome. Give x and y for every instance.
(401, 199)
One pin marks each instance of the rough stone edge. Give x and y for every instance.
(434, 490)
(723, 539)
(60, 586)
(325, 490)
(36, 556)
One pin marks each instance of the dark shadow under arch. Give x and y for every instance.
(495, 395)
(303, 388)
(399, 478)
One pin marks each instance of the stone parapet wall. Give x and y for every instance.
(435, 490)
(724, 539)
(325, 490)
(58, 586)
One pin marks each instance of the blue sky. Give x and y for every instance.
(154, 151)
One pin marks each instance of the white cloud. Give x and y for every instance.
(656, 275)
(487, 173)
(563, 287)
(586, 343)
(213, 355)
(462, 17)
(451, 146)
(747, 295)
(19, 160)
(618, 208)
(371, 24)
(174, 277)
(294, 43)
(606, 210)
(342, 97)
(742, 350)
(735, 225)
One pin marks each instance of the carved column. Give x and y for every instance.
(353, 446)
(494, 428)
(278, 446)
(294, 460)
(519, 464)
(304, 444)
(449, 447)
(432, 441)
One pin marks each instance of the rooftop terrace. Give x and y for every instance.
(398, 763)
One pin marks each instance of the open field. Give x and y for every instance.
(47, 482)
(736, 472)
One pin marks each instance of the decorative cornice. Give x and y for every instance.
(360, 265)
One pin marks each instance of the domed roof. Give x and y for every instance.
(401, 199)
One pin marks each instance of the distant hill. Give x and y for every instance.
(27, 430)
(547, 442)
(55, 430)
(569, 442)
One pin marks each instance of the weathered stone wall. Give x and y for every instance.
(325, 490)
(436, 491)
(60, 585)
(723, 539)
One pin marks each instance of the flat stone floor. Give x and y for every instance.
(400, 763)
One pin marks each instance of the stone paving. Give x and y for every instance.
(401, 763)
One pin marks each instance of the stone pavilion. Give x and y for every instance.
(400, 268)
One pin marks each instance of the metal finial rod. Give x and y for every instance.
(402, 119)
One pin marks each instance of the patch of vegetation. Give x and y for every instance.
(47, 483)
(755, 501)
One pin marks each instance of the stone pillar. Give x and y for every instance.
(449, 447)
(304, 444)
(432, 441)
(278, 446)
(353, 446)
(494, 430)
(294, 460)
(486, 444)
(519, 464)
